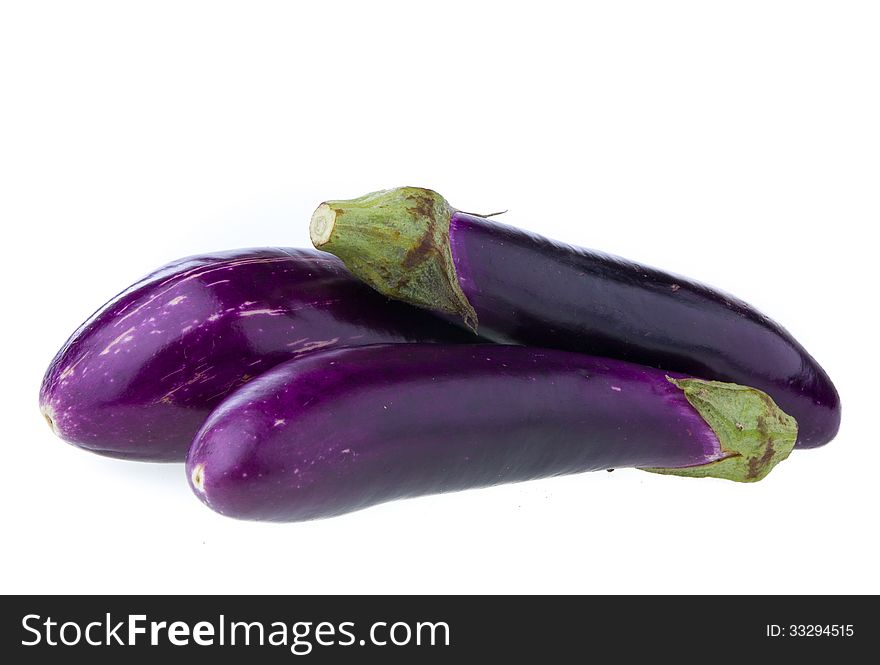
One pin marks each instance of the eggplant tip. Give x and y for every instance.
(49, 416)
(198, 477)
(321, 226)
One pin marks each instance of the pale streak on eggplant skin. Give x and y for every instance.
(139, 377)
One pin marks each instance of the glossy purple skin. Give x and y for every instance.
(530, 290)
(344, 429)
(138, 379)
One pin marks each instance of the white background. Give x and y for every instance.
(737, 143)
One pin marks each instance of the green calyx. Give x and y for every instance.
(755, 434)
(397, 241)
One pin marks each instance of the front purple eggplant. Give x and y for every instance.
(344, 429)
(138, 379)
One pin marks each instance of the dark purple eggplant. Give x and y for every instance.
(138, 379)
(344, 429)
(513, 286)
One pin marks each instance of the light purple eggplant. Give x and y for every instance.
(140, 376)
(516, 287)
(343, 429)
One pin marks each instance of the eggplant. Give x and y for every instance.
(517, 287)
(139, 377)
(343, 429)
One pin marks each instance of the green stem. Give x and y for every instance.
(397, 241)
(755, 434)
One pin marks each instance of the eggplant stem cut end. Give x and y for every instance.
(198, 477)
(322, 224)
(754, 434)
